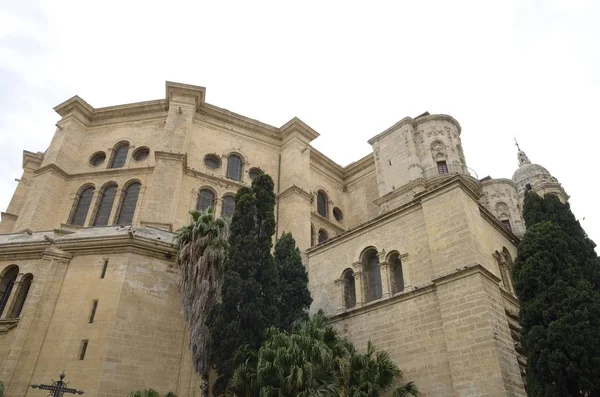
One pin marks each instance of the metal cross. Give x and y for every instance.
(58, 388)
(517, 143)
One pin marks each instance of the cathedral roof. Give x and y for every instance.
(527, 170)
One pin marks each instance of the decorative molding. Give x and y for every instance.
(414, 123)
(295, 190)
(297, 126)
(8, 323)
(33, 158)
(329, 223)
(238, 120)
(191, 91)
(221, 180)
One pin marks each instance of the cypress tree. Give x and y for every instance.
(549, 208)
(249, 294)
(560, 307)
(294, 295)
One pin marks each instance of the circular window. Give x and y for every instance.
(212, 161)
(97, 158)
(141, 153)
(254, 172)
(337, 213)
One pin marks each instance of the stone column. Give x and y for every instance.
(339, 283)
(358, 283)
(384, 269)
(12, 298)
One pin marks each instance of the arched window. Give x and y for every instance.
(119, 155)
(312, 235)
(228, 206)
(234, 167)
(6, 285)
(323, 235)
(84, 199)
(128, 204)
(22, 292)
(105, 204)
(349, 289)
(206, 199)
(373, 275)
(322, 204)
(395, 265)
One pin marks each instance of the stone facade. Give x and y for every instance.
(404, 247)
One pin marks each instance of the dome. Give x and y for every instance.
(527, 171)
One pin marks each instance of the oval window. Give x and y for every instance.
(97, 158)
(338, 215)
(141, 153)
(212, 161)
(254, 172)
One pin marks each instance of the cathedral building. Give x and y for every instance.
(405, 247)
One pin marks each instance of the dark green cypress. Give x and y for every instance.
(294, 295)
(249, 294)
(560, 307)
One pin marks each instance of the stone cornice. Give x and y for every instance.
(172, 156)
(297, 126)
(319, 219)
(318, 158)
(466, 272)
(498, 180)
(240, 121)
(400, 191)
(110, 171)
(295, 190)
(414, 123)
(187, 90)
(52, 168)
(34, 158)
(7, 323)
(356, 167)
(496, 224)
(221, 180)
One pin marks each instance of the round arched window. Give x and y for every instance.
(212, 161)
(338, 215)
(254, 173)
(97, 158)
(141, 153)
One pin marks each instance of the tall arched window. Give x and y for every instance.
(322, 204)
(349, 289)
(128, 204)
(105, 204)
(206, 199)
(83, 201)
(119, 155)
(373, 275)
(323, 235)
(22, 292)
(228, 206)
(395, 265)
(234, 167)
(6, 285)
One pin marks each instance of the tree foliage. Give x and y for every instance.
(313, 360)
(201, 250)
(294, 297)
(249, 294)
(560, 307)
(1, 389)
(149, 393)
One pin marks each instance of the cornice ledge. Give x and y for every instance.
(52, 168)
(380, 303)
(328, 222)
(54, 252)
(354, 168)
(406, 120)
(75, 103)
(443, 117)
(212, 112)
(130, 109)
(495, 222)
(324, 161)
(7, 323)
(496, 180)
(510, 297)
(192, 91)
(159, 154)
(295, 190)
(218, 179)
(7, 216)
(112, 171)
(466, 272)
(34, 158)
(295, 125)
(398, 192)
(448, 184)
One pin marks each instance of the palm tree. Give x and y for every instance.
(313, 360)
(201, 248)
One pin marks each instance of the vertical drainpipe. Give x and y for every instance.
(277, 202)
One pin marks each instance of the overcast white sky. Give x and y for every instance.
(349, 69)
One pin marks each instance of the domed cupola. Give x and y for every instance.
(537, 178)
